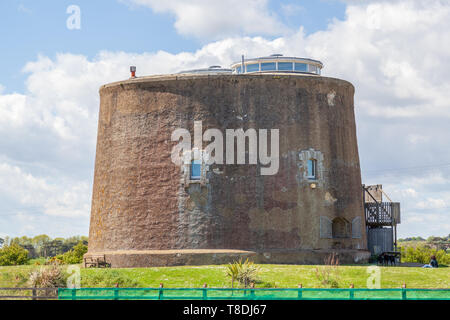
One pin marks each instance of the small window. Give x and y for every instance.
(312, 169)
(302, 67)
(196, 166)
(268, 66)
(253, 67)
(238, 70)
(312, 69)
(285, 66)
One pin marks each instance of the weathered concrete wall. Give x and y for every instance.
(139, 202)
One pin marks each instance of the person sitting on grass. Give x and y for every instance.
(433, 263)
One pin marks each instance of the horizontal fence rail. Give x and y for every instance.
(251, 294)
(28, 293)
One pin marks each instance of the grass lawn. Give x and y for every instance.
(280, 276)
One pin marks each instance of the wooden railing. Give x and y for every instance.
(34, 293)
(381, 213)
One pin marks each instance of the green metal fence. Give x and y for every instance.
(250, 294)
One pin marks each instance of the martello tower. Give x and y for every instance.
(149, 211)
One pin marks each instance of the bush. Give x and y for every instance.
(422, 254)
(13, 255)
(107, 278)
(55, 260)
(48, 277)
(75, 255)
(244, 272)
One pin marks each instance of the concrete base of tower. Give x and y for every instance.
(160, 258)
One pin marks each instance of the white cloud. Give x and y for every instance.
(291, 9)
(431, 203)
(60, 198)
(219, 18)
(23, 9)
(395, 53)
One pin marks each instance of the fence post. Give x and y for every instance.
(74, 294)
(300, 291)
(352, 292)
(404, 291)
(160, 294)
(205, 297)
(33, 293)
(204, 293)
(116, 293)
(252, 291)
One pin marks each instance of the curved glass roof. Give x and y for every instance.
(209, 70)
(277, 63)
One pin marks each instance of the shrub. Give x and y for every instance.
(48, 277)
(55, 260)
(244, 272)
(422, 254)
(13, 255)
(75, 255)
(107, 278)
(328, 275)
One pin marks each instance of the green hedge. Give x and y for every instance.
(422, 254)
(13, 255)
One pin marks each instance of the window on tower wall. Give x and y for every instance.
(196, 166)
(312, 169)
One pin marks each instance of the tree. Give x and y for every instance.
(75, 255)
(31, 251)
(13, 255)
(39, 243)
(22, 241)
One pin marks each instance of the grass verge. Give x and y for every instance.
(279, 276)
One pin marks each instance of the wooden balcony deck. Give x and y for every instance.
(379, 214)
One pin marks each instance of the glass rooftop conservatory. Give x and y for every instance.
(277, 63)
(209, 70)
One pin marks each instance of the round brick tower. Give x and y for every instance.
(149, 211)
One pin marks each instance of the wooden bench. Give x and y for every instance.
(96, 261)
(389, 258)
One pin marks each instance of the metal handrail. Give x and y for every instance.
(252, 294)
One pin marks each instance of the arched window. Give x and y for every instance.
(196, 166)
(340, 228)
(312, 169)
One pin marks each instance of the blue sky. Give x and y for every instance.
(396, 54)
(34, 27)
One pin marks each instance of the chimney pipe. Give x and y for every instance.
(133, 71)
